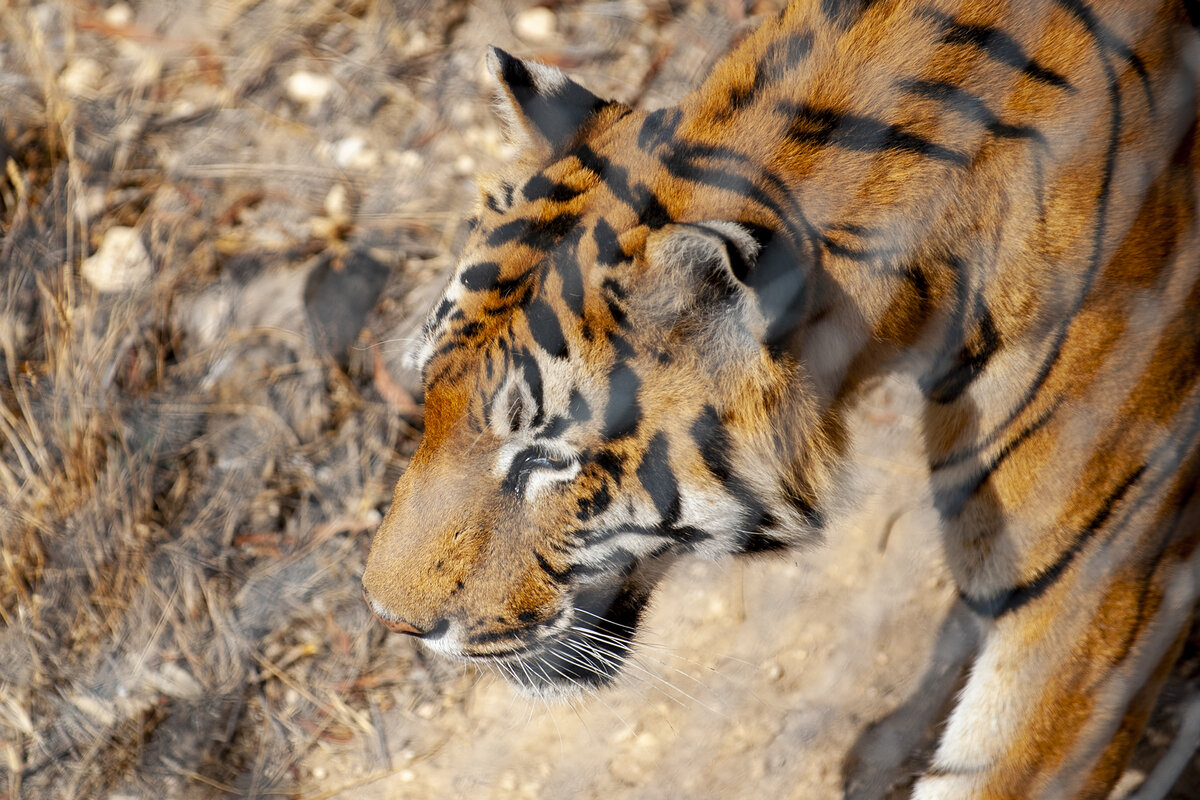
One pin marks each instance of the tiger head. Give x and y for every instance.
(603, 389)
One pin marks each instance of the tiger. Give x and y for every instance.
(661, 322)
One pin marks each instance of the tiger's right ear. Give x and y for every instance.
(539, 104)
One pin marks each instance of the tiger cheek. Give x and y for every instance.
(533, 599)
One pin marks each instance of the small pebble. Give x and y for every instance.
(308, 88)
(336, 205)
(464, 165)
(81, 77)
(118, 15)
(120, 263)
(352, 153)
(537, 24)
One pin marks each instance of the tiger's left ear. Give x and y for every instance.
(694, 279)
(540, 103)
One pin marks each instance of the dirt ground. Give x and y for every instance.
(221, 223)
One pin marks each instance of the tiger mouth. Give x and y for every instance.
(586, 653)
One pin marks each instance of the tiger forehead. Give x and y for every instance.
(562, 186)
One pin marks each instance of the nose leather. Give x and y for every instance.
(393, 625)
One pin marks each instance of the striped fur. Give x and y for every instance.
(661, 321)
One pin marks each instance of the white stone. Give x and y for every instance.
(118, 15)
(121, 263)
(537, 24)
(308, 88)
(336, 203)
(173, 681)
(353, 153)
(82, 76)
(464, 165)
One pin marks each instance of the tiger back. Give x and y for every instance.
(661, 322)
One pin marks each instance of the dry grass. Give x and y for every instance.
(188, 487)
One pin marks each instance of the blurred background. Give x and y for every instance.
(220, 225)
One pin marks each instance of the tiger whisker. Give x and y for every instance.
(626, 662)
(604, 638)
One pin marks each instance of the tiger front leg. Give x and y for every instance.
(1064, 682)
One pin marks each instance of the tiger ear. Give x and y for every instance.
(699, 273)
(752, 271)
(540, 105)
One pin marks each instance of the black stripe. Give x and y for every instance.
(614, 176)
(565, 261)
(616, 312)
(539, 234)
(532, 374)
(1095, 264)
(577, 407)
(611, 463)
(786, 53)
(659, 128)
(686, 535)
(973, 108)
(518, 289)
(514, 411)
(651, 212)
(608, 248)
(1110, 41)
(615, 286)
(842, 14)
(826, 127)
(480, 277)
(686, 162)
(1014, 599)
(555, 427)
(741, 95)
(546, 330)
(510, 231)
(999, 46)
(761, 543)
(951, 500)
(967, 364)
(712, 440)
(621, 347)
(440, 313)
(595, 504)
(560, 577)
(714, 443)
(623, 412)
(539, 187)
(659, 481)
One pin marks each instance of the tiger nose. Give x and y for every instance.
(393, 625)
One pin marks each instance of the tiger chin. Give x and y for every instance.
(656, 335)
